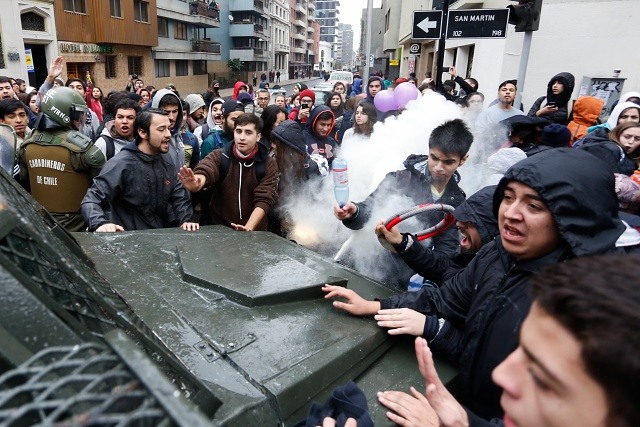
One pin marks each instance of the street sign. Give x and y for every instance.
(477, 24)
(415, 48)
(371, 59)
(394, 62)
(427, 24)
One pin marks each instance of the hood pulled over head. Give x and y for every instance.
(578, 189)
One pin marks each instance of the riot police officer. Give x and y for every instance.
(57, 162)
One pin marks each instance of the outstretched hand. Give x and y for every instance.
(240, 227)
(189, 180)
(55, 69)
(401, 321)
(409, 410)
(355, 304)
(446, 406)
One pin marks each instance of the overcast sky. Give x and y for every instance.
(351, 12)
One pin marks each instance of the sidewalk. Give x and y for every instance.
(228, 92)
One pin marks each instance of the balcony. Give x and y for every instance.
(310, 30)
(194, 12)
(312, 5)
(242, 5)
(297, 49)
(247, 54)
(279, 47)
(206, 46)
(299, 23)
(299, 36)
(202, 9)
(302, 8)
(246, 29)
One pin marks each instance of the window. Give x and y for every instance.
(77, 70)
(134, 65)
(182, 67)
(162, 68)
(110, 66)
(141, 10)
(77, 6)
(199, 68)
(115, 8)
(181, 30)
(32, 22)
(163, 27)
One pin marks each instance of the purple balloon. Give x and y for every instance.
(385, 101)
(405, 92)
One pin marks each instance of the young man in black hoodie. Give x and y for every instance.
(425, 179)
(317, 133)
(473, 318)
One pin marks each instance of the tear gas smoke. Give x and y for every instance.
(311, 211)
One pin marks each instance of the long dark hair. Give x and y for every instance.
(370, 110)
(337, 112)
(269, 116)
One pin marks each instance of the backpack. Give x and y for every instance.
(111, 146)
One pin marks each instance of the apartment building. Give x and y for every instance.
(185, 45)
(250, 34)
(298, 20)
(327, 16)
(279, 47)
(109, 39)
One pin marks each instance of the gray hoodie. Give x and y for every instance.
(176, 147)
(110, 132)
(212, 126)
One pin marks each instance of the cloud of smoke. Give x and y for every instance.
(369, 161)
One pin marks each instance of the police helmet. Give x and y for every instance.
(63, 105)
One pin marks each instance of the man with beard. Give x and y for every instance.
(118, 132)
(476, 225)
(141, 187)
(231, 110)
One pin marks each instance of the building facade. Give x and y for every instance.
(576, 46)
(327, 16)
(249, 31)
(109, 40)
(28, 39)
(279, 47)
(184, 45)
(345, 46)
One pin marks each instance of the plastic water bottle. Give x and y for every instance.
(341, 181)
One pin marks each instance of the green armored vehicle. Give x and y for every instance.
(166, 327)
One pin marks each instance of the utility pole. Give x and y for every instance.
(367, 45)
(442, 43)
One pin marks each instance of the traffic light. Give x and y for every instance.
(525, 15)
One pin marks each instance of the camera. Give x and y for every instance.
(134, 76)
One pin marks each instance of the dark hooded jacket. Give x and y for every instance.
(485, 303)
(561, 116)
(326, 147)
(610, 153)
(380, 115)
(414, 182)
(437, 266)
(176, 147)
(142, 192)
